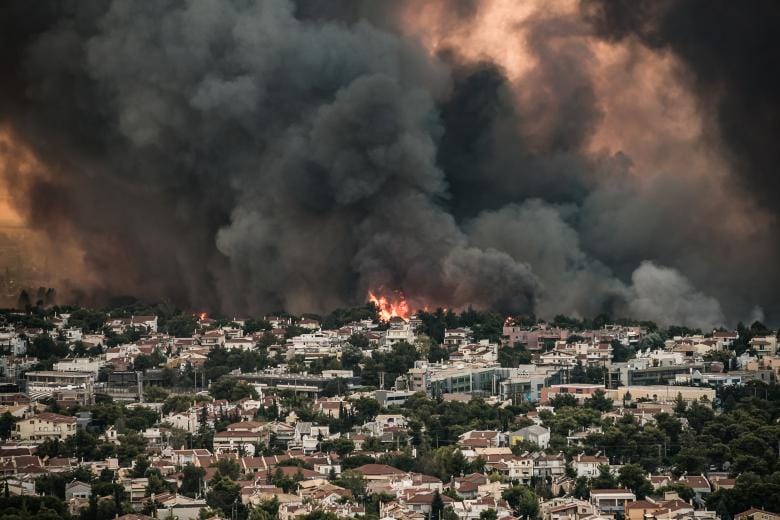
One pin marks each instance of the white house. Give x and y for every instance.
(588, 465)
(534, 433)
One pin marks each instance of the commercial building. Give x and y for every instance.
(61, 385)
(300, 383)
(662, 394)
(639, 373)
(580, 391)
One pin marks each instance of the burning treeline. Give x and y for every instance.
(554, 157)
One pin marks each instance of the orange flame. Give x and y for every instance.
(394, 306)
(202, 316)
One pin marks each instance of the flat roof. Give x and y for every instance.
(55, 373)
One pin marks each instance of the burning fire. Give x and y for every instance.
(202, 316)
(390, 307)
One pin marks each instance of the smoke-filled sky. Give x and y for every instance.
(556, 157)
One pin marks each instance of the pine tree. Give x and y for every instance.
(437, 506)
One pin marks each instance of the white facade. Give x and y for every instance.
(11, 343)
(80, 365)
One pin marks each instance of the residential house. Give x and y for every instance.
(566, 508)
(241, 437)
(756, 514)
(420, 502)
(180, 507)
(379, 472)
(480, 439)
(77, 489)
(549, 465)
(454, 338)
(611, 501)
(588, 465)
(534, 433)
(45, 426)
(511, 467)
(698, 483)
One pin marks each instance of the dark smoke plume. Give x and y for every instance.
(730, 56)
(266, 154)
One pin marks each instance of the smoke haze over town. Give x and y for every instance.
(548, 157)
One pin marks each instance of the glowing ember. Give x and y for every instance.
(202, 316)
(390, 307)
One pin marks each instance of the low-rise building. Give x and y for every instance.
(580, 391)
(241, 437)
(45, 426)
(663, 394)
(77, 489)
(80, 365)
(756, 514)
(534, 433)
(588, 465)
(46, 383)
(611, 501)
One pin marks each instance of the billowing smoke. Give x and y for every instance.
(267, 154)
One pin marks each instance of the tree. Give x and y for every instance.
(604, 480)
(689, 460)
(156, 484)
(679, 405)
(181, 326)
(514, 356)
(192, 478)
(44, 347)
(130, 446)
(51, 484)
(144, 362)
(358, 340)
(342, 446)
(266, 510)
(522, 500)
(7, 422)
(599, 401)
(177, 404)
(581, 488)
(365, 409)
(683, 491)
(141, 465)
(354, 482)
(319, 515)
(437, 353)
(155, 394)
(254, 325)
(351, 357)
(224, 494)
(228, 468)
(488, 514)
(448, 461)
(698, 415)
(355, 461)
(621, 353)
(232, 390)
(283, 481)
(449, 514)
(633, 477)
(437, 506)
(393, 364)
(562, 401)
